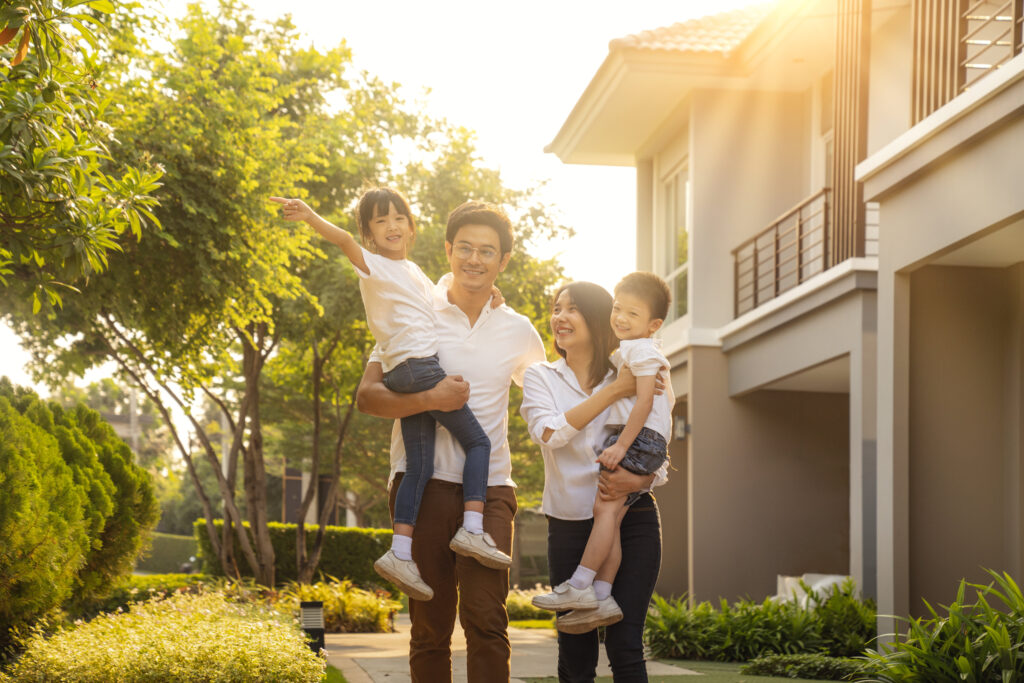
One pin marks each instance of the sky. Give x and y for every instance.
(510, 71)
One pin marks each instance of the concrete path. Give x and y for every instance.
(379, 657)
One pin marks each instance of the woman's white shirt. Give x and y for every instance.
(570, 460)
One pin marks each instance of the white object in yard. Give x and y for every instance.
(789, 588)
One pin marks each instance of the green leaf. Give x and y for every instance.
(104, 6)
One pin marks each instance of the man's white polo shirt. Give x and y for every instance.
(490, 355)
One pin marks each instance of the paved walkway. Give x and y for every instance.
(379, 657)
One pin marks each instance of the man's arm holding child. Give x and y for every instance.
(612, 455)
(374, 398)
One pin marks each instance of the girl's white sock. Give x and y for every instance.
(603, 589)
(582, 577)
(473, 522)
(401, 546)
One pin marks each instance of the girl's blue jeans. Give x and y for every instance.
(420, 374)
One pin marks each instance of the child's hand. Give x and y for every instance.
(294, 209)
(612, 456)
(497, 298)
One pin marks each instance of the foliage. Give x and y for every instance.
(43, 531)
(182, 638)
(347, 609)
(806, 666)
(66, 200)
(969, 641)
(140, 588)
(519, 607)
(95, 512)
(348, 553)
(836, 623)
(113, 400)
(167, 553)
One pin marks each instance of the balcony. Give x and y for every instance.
(794, 248)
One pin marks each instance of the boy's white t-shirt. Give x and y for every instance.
(643, 357)
(399, 302)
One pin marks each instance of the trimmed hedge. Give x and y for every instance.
(167, 553)
(349, 553)
(810, 667)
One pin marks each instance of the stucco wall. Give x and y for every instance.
(768, 484)
(890, 79)
(749, 162)
(962, 345)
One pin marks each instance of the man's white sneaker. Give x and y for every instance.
(583, 621)
(564, 596)
(481, 547)
(404, 574)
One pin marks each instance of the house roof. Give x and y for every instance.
(715, 33)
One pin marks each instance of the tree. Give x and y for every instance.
(74, 508)
(64, 200)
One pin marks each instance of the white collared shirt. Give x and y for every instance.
(571, 470)
(490, 355)
(398, 298)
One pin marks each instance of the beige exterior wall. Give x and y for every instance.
(737, 140)
(768, 484)
(889, 79)
(673, 503)
(964, 361)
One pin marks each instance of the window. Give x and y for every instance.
(673, 246)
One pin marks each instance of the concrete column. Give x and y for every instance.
(645, 214)
(893, 445)
(863, 446)
(1014, 424)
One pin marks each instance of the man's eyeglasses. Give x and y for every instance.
(486, 254)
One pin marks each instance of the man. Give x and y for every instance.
(484, 349)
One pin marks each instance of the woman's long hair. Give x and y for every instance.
(595, 305)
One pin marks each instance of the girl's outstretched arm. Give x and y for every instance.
(298, 210)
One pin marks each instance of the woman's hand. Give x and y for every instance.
(497, 298)
(621, 482)
(625, 383)
(294, 209)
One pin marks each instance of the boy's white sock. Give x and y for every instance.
(401, 546)
(473, 522)
(603, 589)
(582, 577)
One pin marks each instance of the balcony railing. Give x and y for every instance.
(789, 251)
(991, 36)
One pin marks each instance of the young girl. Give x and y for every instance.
(398, 298)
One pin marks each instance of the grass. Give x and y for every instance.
(711, 672)
(532, 623)
(334, 676)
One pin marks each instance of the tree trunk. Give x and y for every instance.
(255, 474)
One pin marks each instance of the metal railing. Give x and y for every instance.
(991, 36)
(794, 248)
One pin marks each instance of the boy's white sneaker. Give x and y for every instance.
(565, 596)
(583, 621)
(404, 574)
(481, 547)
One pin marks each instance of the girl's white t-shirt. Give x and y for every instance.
(643, 357)
(399, 302)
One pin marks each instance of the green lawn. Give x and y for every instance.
(334, 676)
(711, 672)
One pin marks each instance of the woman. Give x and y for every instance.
(564, 405)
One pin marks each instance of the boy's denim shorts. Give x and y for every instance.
(646, 455)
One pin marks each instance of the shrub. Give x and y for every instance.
(810, 667)
(140, 588)
(970, 641)
(347, 609)
(44, 535)
(183, 638)
(167, 553)
(836, 623)
(519, 607)
(348, 553)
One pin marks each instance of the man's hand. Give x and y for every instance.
(294, 209)
(621, 482)
(449, 394)
(612, 456)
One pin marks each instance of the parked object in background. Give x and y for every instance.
(796, 587)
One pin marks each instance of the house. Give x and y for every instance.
(833, 190)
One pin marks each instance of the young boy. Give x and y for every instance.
(638, 430)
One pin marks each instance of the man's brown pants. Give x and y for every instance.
(483, 590)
